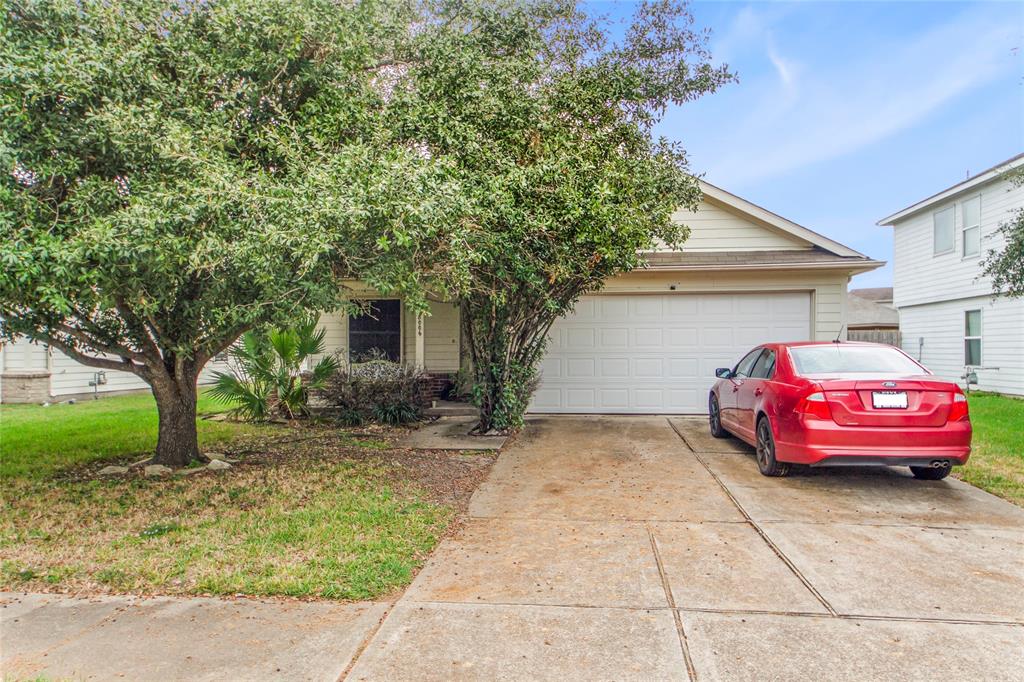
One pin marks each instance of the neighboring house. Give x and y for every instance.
(33, 373)
(871, 316)
(949, 318)
(650, 342)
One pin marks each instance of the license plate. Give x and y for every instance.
(889, 400)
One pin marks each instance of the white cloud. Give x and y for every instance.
(823, 111)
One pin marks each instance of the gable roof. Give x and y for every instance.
(970, 183)
(863, 311)
(880, 294)
(777, 222)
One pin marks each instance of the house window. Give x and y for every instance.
(943, 235)
(971, 210)
(376, 333)
(972, 338)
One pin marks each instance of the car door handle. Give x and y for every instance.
(758, 391)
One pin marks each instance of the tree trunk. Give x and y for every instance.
(178, 441)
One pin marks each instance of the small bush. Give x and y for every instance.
(377, 390)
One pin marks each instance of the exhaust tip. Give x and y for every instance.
(940, 464)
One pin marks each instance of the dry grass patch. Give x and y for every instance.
(318, 513)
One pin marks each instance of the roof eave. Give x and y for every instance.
(949, 192)
(856, 267)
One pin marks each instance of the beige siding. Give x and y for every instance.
(440, 329)
(828, 289)
(716, 228)
(934, 334)
(920, 276)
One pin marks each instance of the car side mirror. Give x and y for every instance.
(723, 372)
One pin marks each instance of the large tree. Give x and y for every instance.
(549, 124)
(178, 172)
(1006, 265)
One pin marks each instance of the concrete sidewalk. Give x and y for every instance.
(56, 637)
(616, 548)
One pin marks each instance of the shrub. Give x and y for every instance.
(267, 376)
(377, 390)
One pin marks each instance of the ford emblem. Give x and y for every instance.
(889, 384)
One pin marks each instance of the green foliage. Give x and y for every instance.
(177, 173)
(1006, 266)
(548, 124)
(504, 393)
(378, 390)
(396, 413)
(267, 379)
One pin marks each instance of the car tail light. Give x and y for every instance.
(958, 412)
(814, 405)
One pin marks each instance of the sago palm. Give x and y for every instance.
(267, 380)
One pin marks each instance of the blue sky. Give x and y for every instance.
(847, 111)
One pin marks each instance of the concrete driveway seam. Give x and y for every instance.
(764, 536)
(690, 670)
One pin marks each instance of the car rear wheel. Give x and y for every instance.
(715, 418)
(766, 462)
(930, 473)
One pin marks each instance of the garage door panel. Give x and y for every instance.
(580, 367)
(717, 337)
(658, 353)
(615, 337)
(612, 368)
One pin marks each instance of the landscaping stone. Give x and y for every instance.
(113, 471)
(157, 470)
(218, 465)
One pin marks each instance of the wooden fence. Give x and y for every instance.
(889, 336)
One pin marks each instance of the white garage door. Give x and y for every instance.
(658, 353)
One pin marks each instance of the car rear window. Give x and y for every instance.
(840, 359)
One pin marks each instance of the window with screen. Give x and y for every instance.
(972, 226)
(376, 333)
(972, 338)
(943, 231)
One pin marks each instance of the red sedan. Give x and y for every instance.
(824, 403)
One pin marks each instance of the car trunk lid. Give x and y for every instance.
(892, 402)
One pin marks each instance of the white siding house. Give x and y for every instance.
(33, 373)
(950, 319)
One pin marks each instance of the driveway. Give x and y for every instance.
(641, 548)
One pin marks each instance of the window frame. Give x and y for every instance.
(977, 337)
(401, 328)
(952, 228)
(964, 227)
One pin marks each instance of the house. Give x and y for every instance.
(871, 316)
(651, 340)
(34, 373)
(648, 343)
(949, 317)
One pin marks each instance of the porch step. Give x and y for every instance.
(447, 408)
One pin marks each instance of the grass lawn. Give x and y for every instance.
(306, 512)
(997, 459)
(38, 441)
